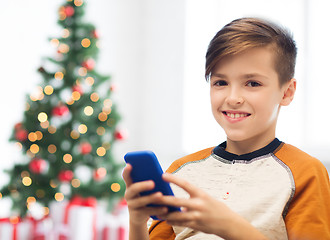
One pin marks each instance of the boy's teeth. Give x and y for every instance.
(236, 115)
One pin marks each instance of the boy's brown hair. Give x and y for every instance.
(246, 33)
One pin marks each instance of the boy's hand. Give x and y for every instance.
(137, 205)
(204, 213)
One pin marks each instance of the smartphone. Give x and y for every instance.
(146, 167)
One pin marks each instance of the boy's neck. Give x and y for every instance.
(247, 146)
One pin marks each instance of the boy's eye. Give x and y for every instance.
(220, 83)
(253, 84)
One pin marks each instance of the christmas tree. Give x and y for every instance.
(69, 125)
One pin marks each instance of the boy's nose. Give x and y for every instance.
(234, 98)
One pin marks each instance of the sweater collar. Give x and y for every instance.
(222, 153)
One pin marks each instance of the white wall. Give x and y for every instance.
(146, 60)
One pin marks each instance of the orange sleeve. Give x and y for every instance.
(160, 230)
(308, 216)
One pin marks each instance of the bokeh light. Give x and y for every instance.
(59, 197)
(115, 187)
(74, 134)
(63, 48)
(78, 3)
(52, 148)
(90, 81)
(82, 71)
(100, 131)
(101, 151)
(82, 128)
(59, 75)
(88, 111)
(27, 181)
(25, 174)
(103, 116)
(44, 124)
(32, 137)
(55, 42)
(67, 158)
(49, 90)
(75, 183)
(95, 97)
(52, 129)
(42, 117)
(65, 33)
(53, 184)
(85, 42)
(75, 96)
(39, 135)
(34, 148)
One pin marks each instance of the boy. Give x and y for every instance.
(252, 186)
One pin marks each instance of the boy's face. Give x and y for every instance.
(246, 96)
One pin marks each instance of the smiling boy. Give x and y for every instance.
(246, 97)
(253, 186)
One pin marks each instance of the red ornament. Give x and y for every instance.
(18, 126)
(69, 11)
(65, 175)
(113, 87)
(88, 64)
(99, 173)
(85, 148)
(21, 135)
(77, 88)
(120, 135)
(60, 110)
(122, 203)
(38, 165)
(95, 34)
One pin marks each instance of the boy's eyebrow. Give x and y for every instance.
(218, 75)
(253, 75)
(245, 76)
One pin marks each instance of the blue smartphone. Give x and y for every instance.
(146, 167)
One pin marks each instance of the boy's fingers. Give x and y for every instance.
(145, 200)
(189, 188)
(173, 201)
(184, 204)
(135, 189)
(127, 175)
(153, 211)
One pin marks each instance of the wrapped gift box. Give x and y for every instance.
(75, 220)
(15, 229)
(116, 224)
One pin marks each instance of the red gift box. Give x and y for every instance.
(41, 229)
(116, 225)
(14, 228)
(76, 219)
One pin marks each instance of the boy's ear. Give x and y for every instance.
(289, 91)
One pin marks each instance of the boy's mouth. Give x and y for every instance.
(236, 115)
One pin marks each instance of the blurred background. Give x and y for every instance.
(154, 51)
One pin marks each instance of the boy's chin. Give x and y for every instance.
(238, 137)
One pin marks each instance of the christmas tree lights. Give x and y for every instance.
(69, 126)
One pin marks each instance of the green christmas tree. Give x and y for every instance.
(69, 126)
